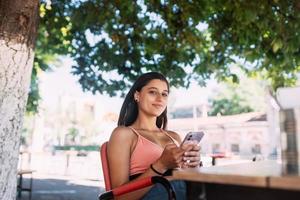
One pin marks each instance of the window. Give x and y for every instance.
(256, 149)
(235, 148)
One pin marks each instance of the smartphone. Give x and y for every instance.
(193, 136)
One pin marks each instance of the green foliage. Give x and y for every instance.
(53, 40)
(78, 147)
(183, 39)
(41, 63)
(234, 98)
(33, 96)
(229, 106)
(73, 133)
(265, 33)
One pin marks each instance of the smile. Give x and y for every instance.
(158, 105)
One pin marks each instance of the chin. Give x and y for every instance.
(155, 114)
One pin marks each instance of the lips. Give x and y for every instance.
(158, 105)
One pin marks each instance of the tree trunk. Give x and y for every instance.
(18, 29)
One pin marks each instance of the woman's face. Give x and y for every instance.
(153, 97)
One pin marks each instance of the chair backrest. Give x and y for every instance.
(105, 167)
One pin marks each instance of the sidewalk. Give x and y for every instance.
(64, 164)
(50, 187)
(63, 177)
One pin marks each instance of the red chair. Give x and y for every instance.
(129, 187)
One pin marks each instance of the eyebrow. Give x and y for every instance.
(157, 89)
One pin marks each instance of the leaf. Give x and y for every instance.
(276, 45)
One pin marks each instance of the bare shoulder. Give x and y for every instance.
(122, 133)
(121, 129)
(174, 135)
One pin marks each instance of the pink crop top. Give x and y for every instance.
(145, 153)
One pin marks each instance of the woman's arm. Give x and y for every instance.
(118, 154)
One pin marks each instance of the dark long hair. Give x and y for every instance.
(129, 110)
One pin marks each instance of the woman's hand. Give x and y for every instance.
(191, 156)
(171, 157)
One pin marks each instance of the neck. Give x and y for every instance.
(145, 123)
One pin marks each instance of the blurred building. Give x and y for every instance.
(73, 120)
(243, 134)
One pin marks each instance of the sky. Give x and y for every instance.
(60, 81)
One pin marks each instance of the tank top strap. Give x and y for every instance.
(135, 131)
(175, 141)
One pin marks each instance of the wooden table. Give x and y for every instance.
(253, 180)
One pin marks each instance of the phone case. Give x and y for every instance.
(193, 136)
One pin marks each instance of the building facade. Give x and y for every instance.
(244, 134)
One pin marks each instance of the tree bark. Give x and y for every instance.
(18, 30)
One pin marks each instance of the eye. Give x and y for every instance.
(152, 92)
(165, 94)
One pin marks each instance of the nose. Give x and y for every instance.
(159, 96)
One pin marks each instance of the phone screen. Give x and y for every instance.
(193, 136)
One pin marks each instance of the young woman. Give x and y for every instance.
(141, 146)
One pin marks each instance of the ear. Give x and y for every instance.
(136, 96)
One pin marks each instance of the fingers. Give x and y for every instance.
(193, 164)
(193, 145)
(188, 155)
(172, 156)
(196, 148)
(192, 154)
(191, 161)
(188, 146)
(191, 158)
